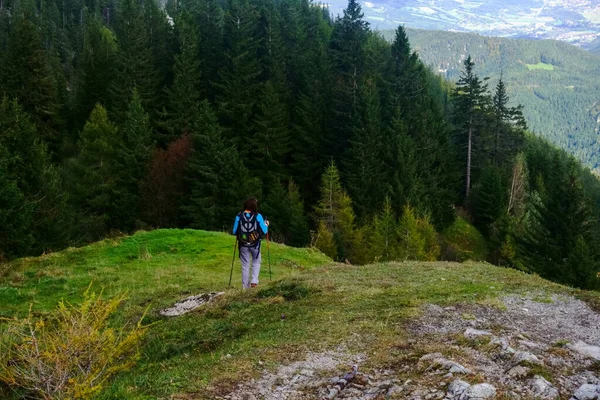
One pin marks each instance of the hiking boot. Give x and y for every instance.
(253, 285)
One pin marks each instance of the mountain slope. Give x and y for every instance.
(573, 22)
(556, 82)
(309, 324)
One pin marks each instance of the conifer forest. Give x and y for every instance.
(121, 115)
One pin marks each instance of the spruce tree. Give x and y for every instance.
(471, 101)
(366, 170)
(30, 177)
(270, 142)
(184, 96)
(335, 214)
(132, 161)
(93, 174)
(135, 63)
(347, 50)
(217, 178)
(96, 68)
(384, 237)
(508, 124)
(238, 80)
(30, 79)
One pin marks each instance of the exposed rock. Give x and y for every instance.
(482, 391)
(189, 304)
(523, 357)
(517, 372)
(474, 333)
(457, 390)
(542, 389)
(585, 349)
(587, 392)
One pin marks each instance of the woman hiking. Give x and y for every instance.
(250, 227)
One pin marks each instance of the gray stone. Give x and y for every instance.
(441, 363)
(393, 390)
(521, 357)
(542, 389)
(517, 371)
(474, 333)
(457, 389)
(189, 304)
(482, 391)
(585, 349)
(587, 392)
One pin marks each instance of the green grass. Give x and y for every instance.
(232, 340)
(462, 241)
(540, 65)
(154, 267)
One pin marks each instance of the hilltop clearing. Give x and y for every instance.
(411, 328)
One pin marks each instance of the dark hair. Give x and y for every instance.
(251, 205)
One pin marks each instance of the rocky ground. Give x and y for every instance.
(525, 347)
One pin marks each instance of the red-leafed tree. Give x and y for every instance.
(164, 183)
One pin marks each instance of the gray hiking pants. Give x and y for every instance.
(247, 255)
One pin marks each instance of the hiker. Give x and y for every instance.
(249, 227)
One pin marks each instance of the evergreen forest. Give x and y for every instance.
(557, 81)
(121, 115)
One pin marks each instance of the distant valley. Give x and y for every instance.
(556, 82)
(572, 21)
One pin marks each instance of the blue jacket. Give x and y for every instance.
(259, 219)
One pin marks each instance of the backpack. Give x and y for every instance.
(248, 230)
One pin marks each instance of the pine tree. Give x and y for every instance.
(29, 176)
(29, 77)
(184, 96)
(335, 214)
(471, 101)
(217, 178)
(135, 63)
(297, 233)
(209, 19)
(365, 164)
(411, 242)
(347, 50)
(133, 158)
(508, 125)
(93, 174)
(96, 68)
(384, 237)
(489, 200)
(270, 143)
(238, 80)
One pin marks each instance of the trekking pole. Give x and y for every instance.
(232, 261)
(269, 255)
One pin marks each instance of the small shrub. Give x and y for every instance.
(70, 354)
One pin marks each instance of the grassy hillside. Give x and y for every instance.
(556, 82)
(207, 352)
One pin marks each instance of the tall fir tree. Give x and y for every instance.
(96, 68)
(132, 161)
(29, 175)
(271, 140)
(93, 175)
(471, 102)
(29, 78)
(347, 51)
(217, 178)
(508, 125)
(238, 80)
(135, 63)
(365, 163)
(184, 96)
